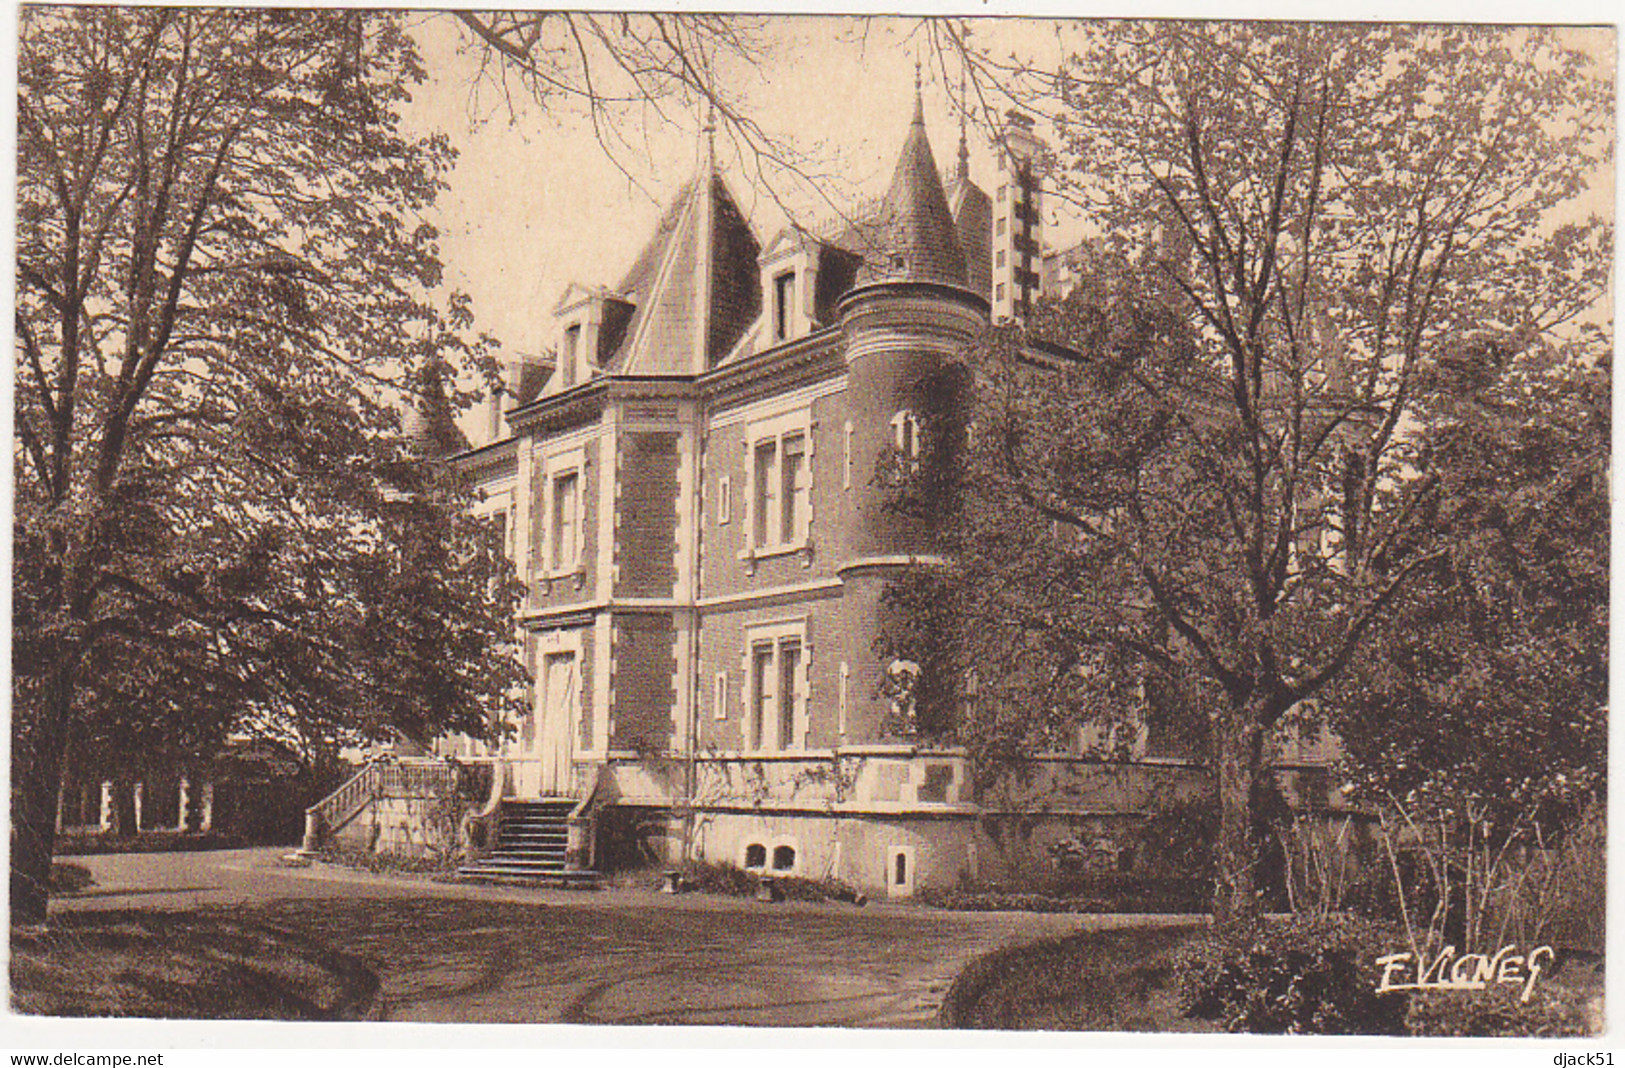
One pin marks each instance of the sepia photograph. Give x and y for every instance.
(886, 522)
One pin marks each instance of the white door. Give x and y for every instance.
(525, 763)
(561, 687)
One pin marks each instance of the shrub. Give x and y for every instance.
(1178, 838)
(797, 888)
(1460, 877)
(725, 879)
(1496, 1012)
(145, 842)
(1309, 975)
(388, 863)
(1576, 898)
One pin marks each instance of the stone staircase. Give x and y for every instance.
(532, 837)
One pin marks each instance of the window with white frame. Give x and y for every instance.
(764, 490)
(559, 512)
(566, 521)
(905, 429)
(779, 455)
(793, 487)
(776, 687)
(784, 304)
(719, 695)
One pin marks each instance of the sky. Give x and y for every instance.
(534, 204)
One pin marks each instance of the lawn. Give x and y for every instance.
(193, 965)
(1112, 980)
(1124, 980)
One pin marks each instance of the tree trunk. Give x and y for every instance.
(38, 777)
(1238, 756)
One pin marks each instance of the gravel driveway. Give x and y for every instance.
(445, 952)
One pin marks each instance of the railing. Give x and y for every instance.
(340, 806)
(413, 779)
(380, 779)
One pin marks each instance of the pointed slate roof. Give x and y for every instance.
(694, 288)
(429, 424)
(913, 238)
(973, 219)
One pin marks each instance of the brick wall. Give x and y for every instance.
(722, 649)
(645, 663)
(722, 572)
(646, 519)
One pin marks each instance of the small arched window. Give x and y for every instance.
(905, 429)
(784, 858)
(756, 855)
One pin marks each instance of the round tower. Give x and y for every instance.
(912, 310)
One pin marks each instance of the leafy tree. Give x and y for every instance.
(225, 279)
(1222, 499)
(1487, 685)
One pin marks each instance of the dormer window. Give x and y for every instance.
(784, 303)
(572, 353)
(790, 269)
(592, 326)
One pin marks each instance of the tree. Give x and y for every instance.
(1502, 652)
(1307, 222)
(225, 288)
(623, 69)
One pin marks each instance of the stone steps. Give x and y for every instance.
(532, 840)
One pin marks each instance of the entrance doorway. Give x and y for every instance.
(561, 693)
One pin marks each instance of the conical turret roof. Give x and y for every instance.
(429, 424)
(914, 238)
